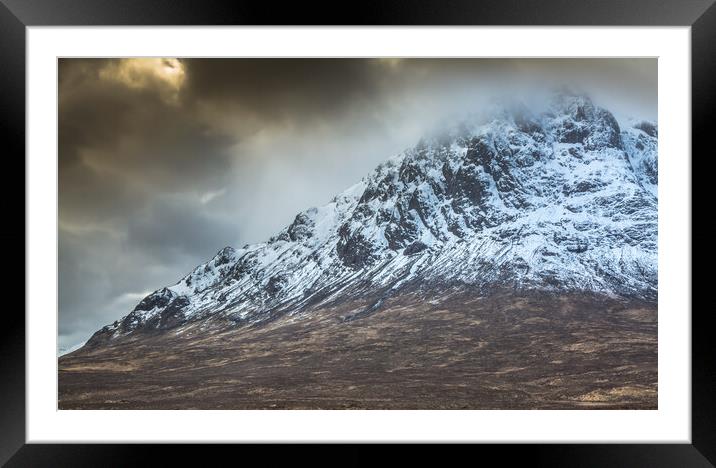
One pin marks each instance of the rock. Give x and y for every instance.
(647, 127)
(414, 248)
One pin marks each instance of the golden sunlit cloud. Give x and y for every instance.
(140, 73)
(390, 61)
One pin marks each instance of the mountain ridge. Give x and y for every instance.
(560, 199)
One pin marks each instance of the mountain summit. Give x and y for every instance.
(561, 199)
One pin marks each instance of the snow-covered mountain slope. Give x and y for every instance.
(561, 199)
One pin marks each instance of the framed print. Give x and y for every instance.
(420, 224)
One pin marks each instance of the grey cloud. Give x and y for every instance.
(171, 228)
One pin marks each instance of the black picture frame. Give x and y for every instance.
(16, 15)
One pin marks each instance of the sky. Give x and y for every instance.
(164, 161)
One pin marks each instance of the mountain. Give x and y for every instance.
(506, 261)
(560, 199)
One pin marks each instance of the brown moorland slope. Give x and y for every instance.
(529, 350)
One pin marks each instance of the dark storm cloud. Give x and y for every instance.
(113, 126)
(162, 162)
(246, 95)
(293, 89)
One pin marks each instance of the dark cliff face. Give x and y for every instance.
(558, 198)
(353, 249)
